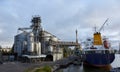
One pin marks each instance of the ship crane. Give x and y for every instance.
(103, 25)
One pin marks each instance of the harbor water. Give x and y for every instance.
(83, 68)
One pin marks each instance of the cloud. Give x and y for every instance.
(60, 17)
(1, 31)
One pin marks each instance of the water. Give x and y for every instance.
(116, 62)
(74, 68)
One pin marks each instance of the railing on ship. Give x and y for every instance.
(102, 51)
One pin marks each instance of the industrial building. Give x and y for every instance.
(35, 44)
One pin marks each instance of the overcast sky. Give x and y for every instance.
(61, 18)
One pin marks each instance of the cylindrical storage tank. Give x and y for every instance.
(30, 42)
(21, 37)
(19, 43)
(54, 39)
(50, 49)
(24, 45)
(39, 48)
(15, 47)
(19, 48)
(47, 34)
(36, 46)
(30, 46)
(30, 37)
(47, 38)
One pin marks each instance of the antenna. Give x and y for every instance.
(103, 25)
(95, 29)
(76, 36)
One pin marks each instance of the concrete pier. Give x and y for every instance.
(63, 63)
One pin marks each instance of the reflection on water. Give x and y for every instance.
(116, 62)
(84, 68)
(96, 69)
(73, 68)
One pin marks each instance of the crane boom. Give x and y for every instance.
(103, 25)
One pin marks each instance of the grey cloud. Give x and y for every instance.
(60, 17)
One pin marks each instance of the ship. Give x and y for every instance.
(98, 51)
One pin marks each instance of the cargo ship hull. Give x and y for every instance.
(99, 60)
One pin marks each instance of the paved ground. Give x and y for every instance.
(14, 67)
(20, 67)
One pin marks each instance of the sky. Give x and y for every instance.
(61, 18)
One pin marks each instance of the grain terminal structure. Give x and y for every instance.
(34, 43)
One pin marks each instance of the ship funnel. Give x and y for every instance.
(97, 39)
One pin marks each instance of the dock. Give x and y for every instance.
(63, 63)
